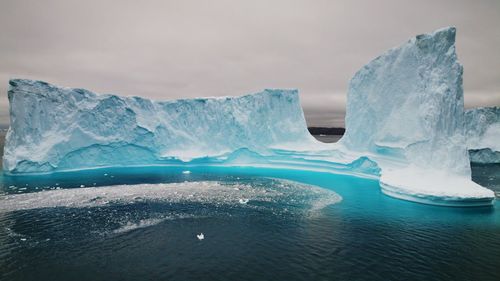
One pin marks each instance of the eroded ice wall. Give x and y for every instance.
(483, 134)
(54, 128)
(408, 104)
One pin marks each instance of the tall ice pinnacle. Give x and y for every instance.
(408, 103)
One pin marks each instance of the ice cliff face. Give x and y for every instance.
(483, 134)
(408, 103)
(405, 109)
(55, 128)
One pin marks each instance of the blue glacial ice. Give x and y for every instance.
(404, 125)
(407, 105)
(57, 128)
(483, 134)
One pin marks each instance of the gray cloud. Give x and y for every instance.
(173, 49)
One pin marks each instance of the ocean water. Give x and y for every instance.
(258, 224)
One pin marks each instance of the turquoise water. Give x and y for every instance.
(286, 231)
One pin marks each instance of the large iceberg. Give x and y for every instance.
(483, 134)
(54, 128)
(407, 106)
(404, 124)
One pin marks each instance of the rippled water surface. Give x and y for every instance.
(258, 225)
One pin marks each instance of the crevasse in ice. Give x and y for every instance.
(483, 134)
(404, 124)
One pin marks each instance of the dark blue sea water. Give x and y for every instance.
(286, 231)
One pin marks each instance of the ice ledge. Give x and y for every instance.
(434, 187)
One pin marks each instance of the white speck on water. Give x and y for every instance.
(243, 201)
(186, 172)
(200, 236)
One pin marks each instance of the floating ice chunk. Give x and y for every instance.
(243, 201)
(200, 236)
(186, 172)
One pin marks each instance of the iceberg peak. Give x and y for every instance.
(408, 103)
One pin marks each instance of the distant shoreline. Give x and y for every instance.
(339, 131)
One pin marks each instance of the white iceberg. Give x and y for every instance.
(483, 134)
(404, 124)
(406, 109)
(54, 128)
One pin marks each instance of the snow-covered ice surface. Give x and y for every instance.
(404, 124)
(483, 134)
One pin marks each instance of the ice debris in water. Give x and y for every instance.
(129, 226)
(200, 236)
(216, 193)
(243, 201)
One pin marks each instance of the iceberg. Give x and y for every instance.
(407, 106)
(483, 134)
(405, 125)
(54, 128)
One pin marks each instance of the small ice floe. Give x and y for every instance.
(200, 236)
(186, 172)
(243, 201)
(105, 175)
(82, 185)
(23, 239)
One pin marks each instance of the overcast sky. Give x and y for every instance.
(173, 49)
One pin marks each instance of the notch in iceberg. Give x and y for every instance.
(483, 134)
